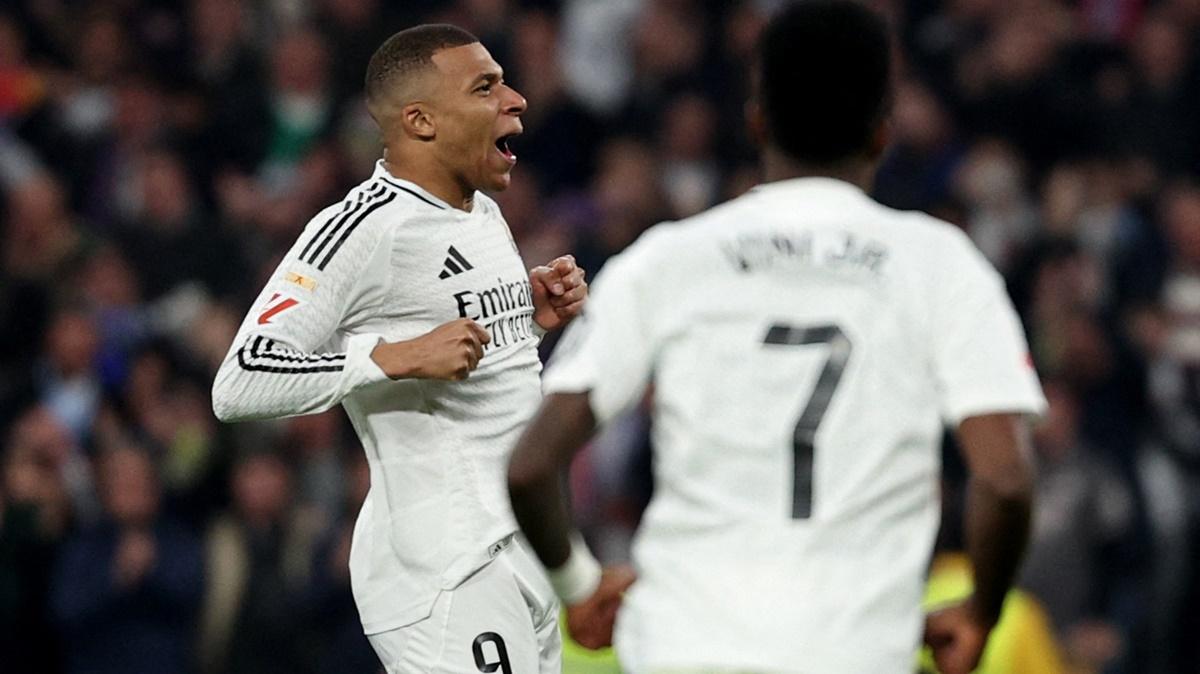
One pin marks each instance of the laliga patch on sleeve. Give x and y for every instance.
(276, 305)
(300, 280)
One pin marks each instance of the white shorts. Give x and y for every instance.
(502, 620)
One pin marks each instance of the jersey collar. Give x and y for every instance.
(414, 190)
(818, 184)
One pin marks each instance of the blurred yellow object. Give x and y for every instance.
(1023, 641)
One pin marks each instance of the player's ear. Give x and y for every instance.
(417, 121)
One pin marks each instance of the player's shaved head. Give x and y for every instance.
(396, 68)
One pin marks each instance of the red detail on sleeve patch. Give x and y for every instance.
(274, 309)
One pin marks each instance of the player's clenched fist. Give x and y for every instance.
(559, 290)
(450, 351)
(957, 637)
(590, 622)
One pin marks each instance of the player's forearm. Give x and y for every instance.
(540, 504)
(535, 474)
(248, 396)
(997, 531)
(262, 380)
(998, 453)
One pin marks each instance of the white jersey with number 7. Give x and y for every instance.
(805, 346)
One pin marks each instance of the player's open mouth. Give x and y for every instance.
(502, 147)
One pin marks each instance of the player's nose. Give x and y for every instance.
(515, 103)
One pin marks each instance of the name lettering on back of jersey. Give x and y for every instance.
(835, 252)
(505, 310)
(278, 304)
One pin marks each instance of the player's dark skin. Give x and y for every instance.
(446, 129)
(996, 448)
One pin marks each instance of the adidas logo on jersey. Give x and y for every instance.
(454, 264)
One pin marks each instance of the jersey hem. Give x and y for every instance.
(413, 613)
(981, 406)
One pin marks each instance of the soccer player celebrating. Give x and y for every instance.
(408, 303)
(805, 346)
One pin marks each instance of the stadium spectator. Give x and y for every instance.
(35, 510)
(301, 104)
(125, 590)
(554, 119)
(687, 140)
(314, 442)
(226, 73)
(334, 621)
(258, 562)
(1169, 338)
(1078, 562)
(168, 407)
(925, 152)
(626, 198)
(991, 185)
(67, 382)
(167, 234)
(112, 182)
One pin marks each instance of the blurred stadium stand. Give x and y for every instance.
(157, 157)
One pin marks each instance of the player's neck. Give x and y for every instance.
(778, 166)
(432, 179)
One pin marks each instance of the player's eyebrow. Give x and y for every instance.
(491, 77)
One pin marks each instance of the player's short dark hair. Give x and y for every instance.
(408, 51)
(825, 79)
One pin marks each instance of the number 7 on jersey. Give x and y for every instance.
(805, 433)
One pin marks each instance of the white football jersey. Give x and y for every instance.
(805, 345)
(392, 262)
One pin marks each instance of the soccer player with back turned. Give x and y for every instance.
(806, 346)
(408, 303)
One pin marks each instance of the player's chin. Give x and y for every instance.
(497, 169)
(498, 181)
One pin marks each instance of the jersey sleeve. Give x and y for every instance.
(981, 360)
(608, 351)
(296, 351)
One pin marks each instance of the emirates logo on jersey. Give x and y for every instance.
(278, 304)
(505, 310)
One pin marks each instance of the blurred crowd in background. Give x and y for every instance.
(158, 157)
